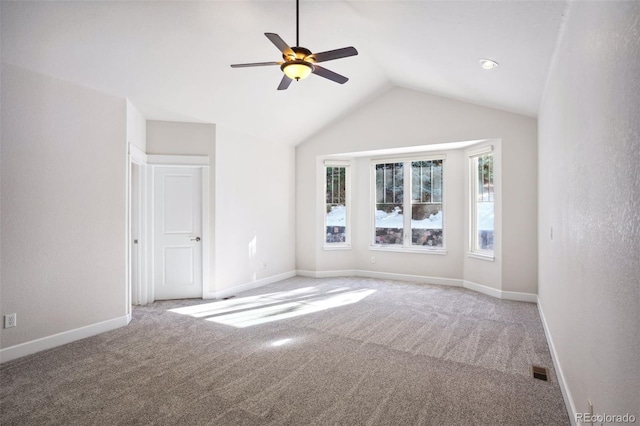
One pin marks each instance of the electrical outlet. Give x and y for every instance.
(264, 265)
(10, 320)
(373, 260)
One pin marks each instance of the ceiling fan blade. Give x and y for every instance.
(255, 64)
(330, 55)
(280, 44)
(284, 83)
(323, 72)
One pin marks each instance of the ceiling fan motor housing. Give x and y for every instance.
(298, 53)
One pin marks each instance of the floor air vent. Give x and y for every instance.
(540, 373)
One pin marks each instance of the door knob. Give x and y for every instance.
(195, 239)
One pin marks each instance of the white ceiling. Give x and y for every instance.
(172, 58)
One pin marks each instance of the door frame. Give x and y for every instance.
(192, 161)
(138, 158)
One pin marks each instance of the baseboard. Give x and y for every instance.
(232, 291)
(568, 401)
(421, 279)
(499, 294)
(489, 291)
(59, 339)
(379, 275)
(326, 274)
(520, 297)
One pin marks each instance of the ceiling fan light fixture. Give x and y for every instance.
(488, 64)
(297, 69)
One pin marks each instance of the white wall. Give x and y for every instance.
(255, 221)
(589, 193)
(63, 224)
(178, 138)
(401, 118)
(252, 192)
(136, 127)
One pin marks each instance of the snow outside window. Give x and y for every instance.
(482, 203)
(422, 182)
(336, 214)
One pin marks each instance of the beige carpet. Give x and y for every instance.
(341, 351)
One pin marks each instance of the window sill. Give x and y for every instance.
(438, 251)
(337, 247)
(481, 256)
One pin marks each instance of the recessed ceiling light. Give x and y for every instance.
(488, 64)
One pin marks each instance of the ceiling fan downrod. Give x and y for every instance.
(297, 23)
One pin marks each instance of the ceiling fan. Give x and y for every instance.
(298, 62)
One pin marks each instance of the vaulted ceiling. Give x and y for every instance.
(171, 59)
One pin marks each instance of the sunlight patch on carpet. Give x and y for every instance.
(254, 310)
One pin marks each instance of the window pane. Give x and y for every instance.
(379, 183)
(426, 204)
(336, 205)
(436, 186)
(484, 221)
(485, 226)
(389, 198)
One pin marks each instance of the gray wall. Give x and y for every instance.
(178, 138)
(136, 127)
(589, 156)
(63, 223)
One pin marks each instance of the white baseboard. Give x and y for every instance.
(489, 291)
(420, 279)
(508, 295)
(499, 294)
(568, 400)
(232, 291)
(59, 339)
(380, 275)
(327, 274)
(520, 297)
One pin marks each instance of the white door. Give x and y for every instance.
(177, 232)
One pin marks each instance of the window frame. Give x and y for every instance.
(407, 245)
(473, 245)
(346, 245)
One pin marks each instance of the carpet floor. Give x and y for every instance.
(303, 351)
